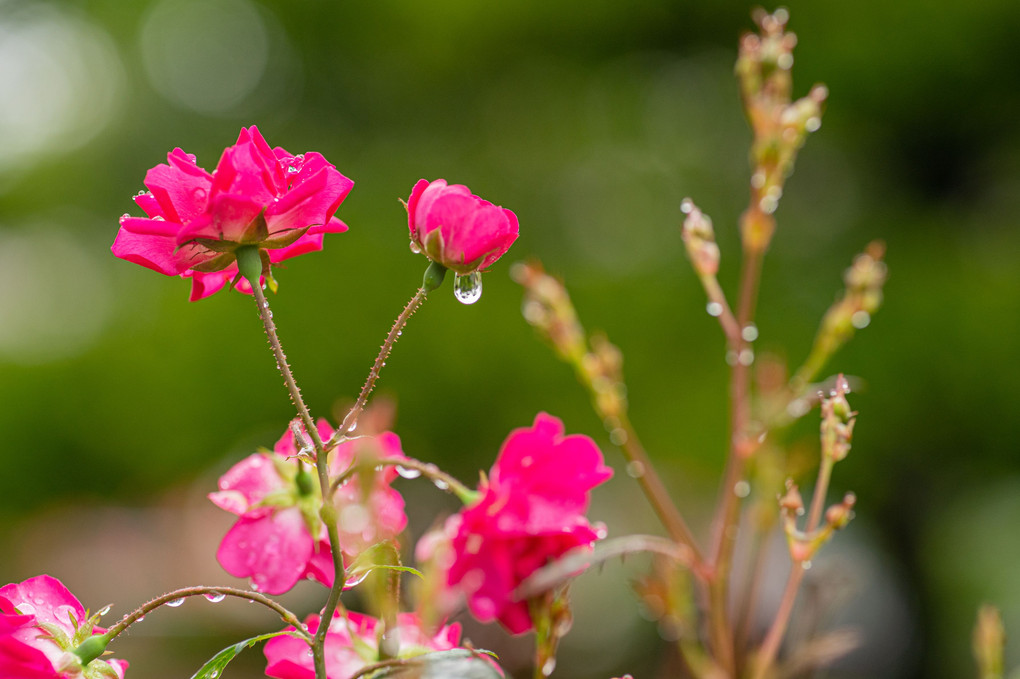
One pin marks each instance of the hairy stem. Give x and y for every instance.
(351, 419)
(136, 615)
(442, 480)
(327, 512)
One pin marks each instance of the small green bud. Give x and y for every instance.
(91, 648)
(304, 481)
(434, 276)
(249, 263)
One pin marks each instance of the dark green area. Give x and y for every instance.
(591, 120)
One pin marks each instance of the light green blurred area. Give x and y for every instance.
(122, 402)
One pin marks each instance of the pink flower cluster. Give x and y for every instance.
(265, 197)
(41, 623)
(278, 538)
(456, 228)
(352, 642)
(531, 511)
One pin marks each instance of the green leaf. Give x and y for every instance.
(456, 664)
(214, 668)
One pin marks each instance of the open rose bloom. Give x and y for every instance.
(278, 538)
(41, 623)
(260, 196)
(352, 642)
(531, 512)
(456, 228)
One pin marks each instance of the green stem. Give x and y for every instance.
(136, 615)
(774, 637)
(351, 420)
(438, 477)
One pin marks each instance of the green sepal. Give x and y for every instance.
(434, 276)
(286, 238)
(249, 263)
(91, 648)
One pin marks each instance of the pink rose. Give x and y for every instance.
(260, 196)
(531, 512)
(279, 538)
(456, 228)
(41, 623)
(351, 644)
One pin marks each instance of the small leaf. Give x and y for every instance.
(214, 668)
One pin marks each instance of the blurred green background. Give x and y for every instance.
(122, 402)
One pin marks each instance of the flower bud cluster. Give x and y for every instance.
(597, 362)
(837, 422)
(804, 544)
(779, 125)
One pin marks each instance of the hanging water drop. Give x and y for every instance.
(215, 597)
(356, 579)
(415, 248)
(441, 484)
(468, 287)
(175, 603)
(407, 472)
(714, 308)
(105, 609)
(548, 667)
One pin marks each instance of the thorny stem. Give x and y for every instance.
(774, 637)
(145, 608)
(351, 420)
(327, 511)
(442, 480)
(281, 361)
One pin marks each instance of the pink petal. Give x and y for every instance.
(153, 252)
(50, 599)
(272, 549)
(180, 188)
(246, 484)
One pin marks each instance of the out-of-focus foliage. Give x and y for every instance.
(591, 120)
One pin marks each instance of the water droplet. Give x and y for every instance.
(714, 308)
(140, 618)
(686, 206)
(407, 472)
(175, 603)
(354, 581)
(215, 597)
(105, 609)
(548, 667)
(158, 218)
(731, 358)
(860, 319)
(746, 357)
(618, 436)
(742, 489)
(750, 332)
(467, 288)
(415, 248)
(601, 531)
(806, 565)
(812, 124)
(635, 469)
(254, 587)
(199, 193)
(25, 609)
(124, 217)
(785, 61)
(758, 179)
(214, 674)
(768, 204)
(441, 484)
